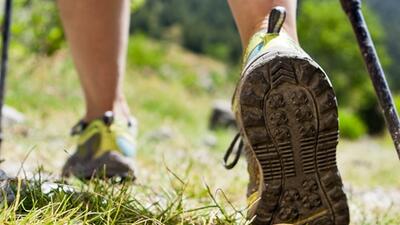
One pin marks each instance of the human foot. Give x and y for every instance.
(104, 148)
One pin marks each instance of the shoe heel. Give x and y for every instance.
(288, 114)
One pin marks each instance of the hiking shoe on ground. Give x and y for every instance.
(103, 151)
(287, 114)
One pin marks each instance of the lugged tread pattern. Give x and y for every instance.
(288, 112)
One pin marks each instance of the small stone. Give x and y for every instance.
(5, 191)
(11, 116)
(162, 134)
(222, 116)
(210, 141)
(49, 187)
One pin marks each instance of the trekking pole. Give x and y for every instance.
(353, 11)
(4, 58)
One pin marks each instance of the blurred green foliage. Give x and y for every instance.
(388, 11)
(145, 54)
(327, 36)
(397, 102)
(36, 27)
(136, 5)
(350, 124)
(173, 63)
(204, 26)
(324, 31)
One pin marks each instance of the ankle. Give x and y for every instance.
(121, 109)
(90, 115)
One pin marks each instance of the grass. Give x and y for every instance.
(181, 180)
(108, 202)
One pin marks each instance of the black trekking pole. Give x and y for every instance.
(353, 11)
(4, 58)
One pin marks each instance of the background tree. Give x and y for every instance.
(207, 27)
(388, 12)
(327, 35)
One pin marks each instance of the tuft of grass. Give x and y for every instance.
(101, 201)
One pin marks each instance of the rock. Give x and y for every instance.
(380, 198)
(5, 191)
(210, 141)
(49, 188)
(222, 115)
(11, 116)
(162, 134)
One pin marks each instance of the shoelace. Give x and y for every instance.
(234, 146)
(108, 119)
(78, 128)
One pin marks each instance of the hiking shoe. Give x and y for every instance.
(287, 113)
(104, 148)
(6, 194)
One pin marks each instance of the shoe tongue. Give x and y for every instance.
(78, 128)
(276, 19)
(108, 118)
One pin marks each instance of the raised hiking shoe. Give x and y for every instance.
(287, 113)
(103, 151)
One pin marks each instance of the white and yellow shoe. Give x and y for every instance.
(287, 114)
(105, 149)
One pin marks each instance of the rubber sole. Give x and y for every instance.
(109, 165)
(288, 113)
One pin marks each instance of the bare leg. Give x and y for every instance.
(97, 32)
(251, 15)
